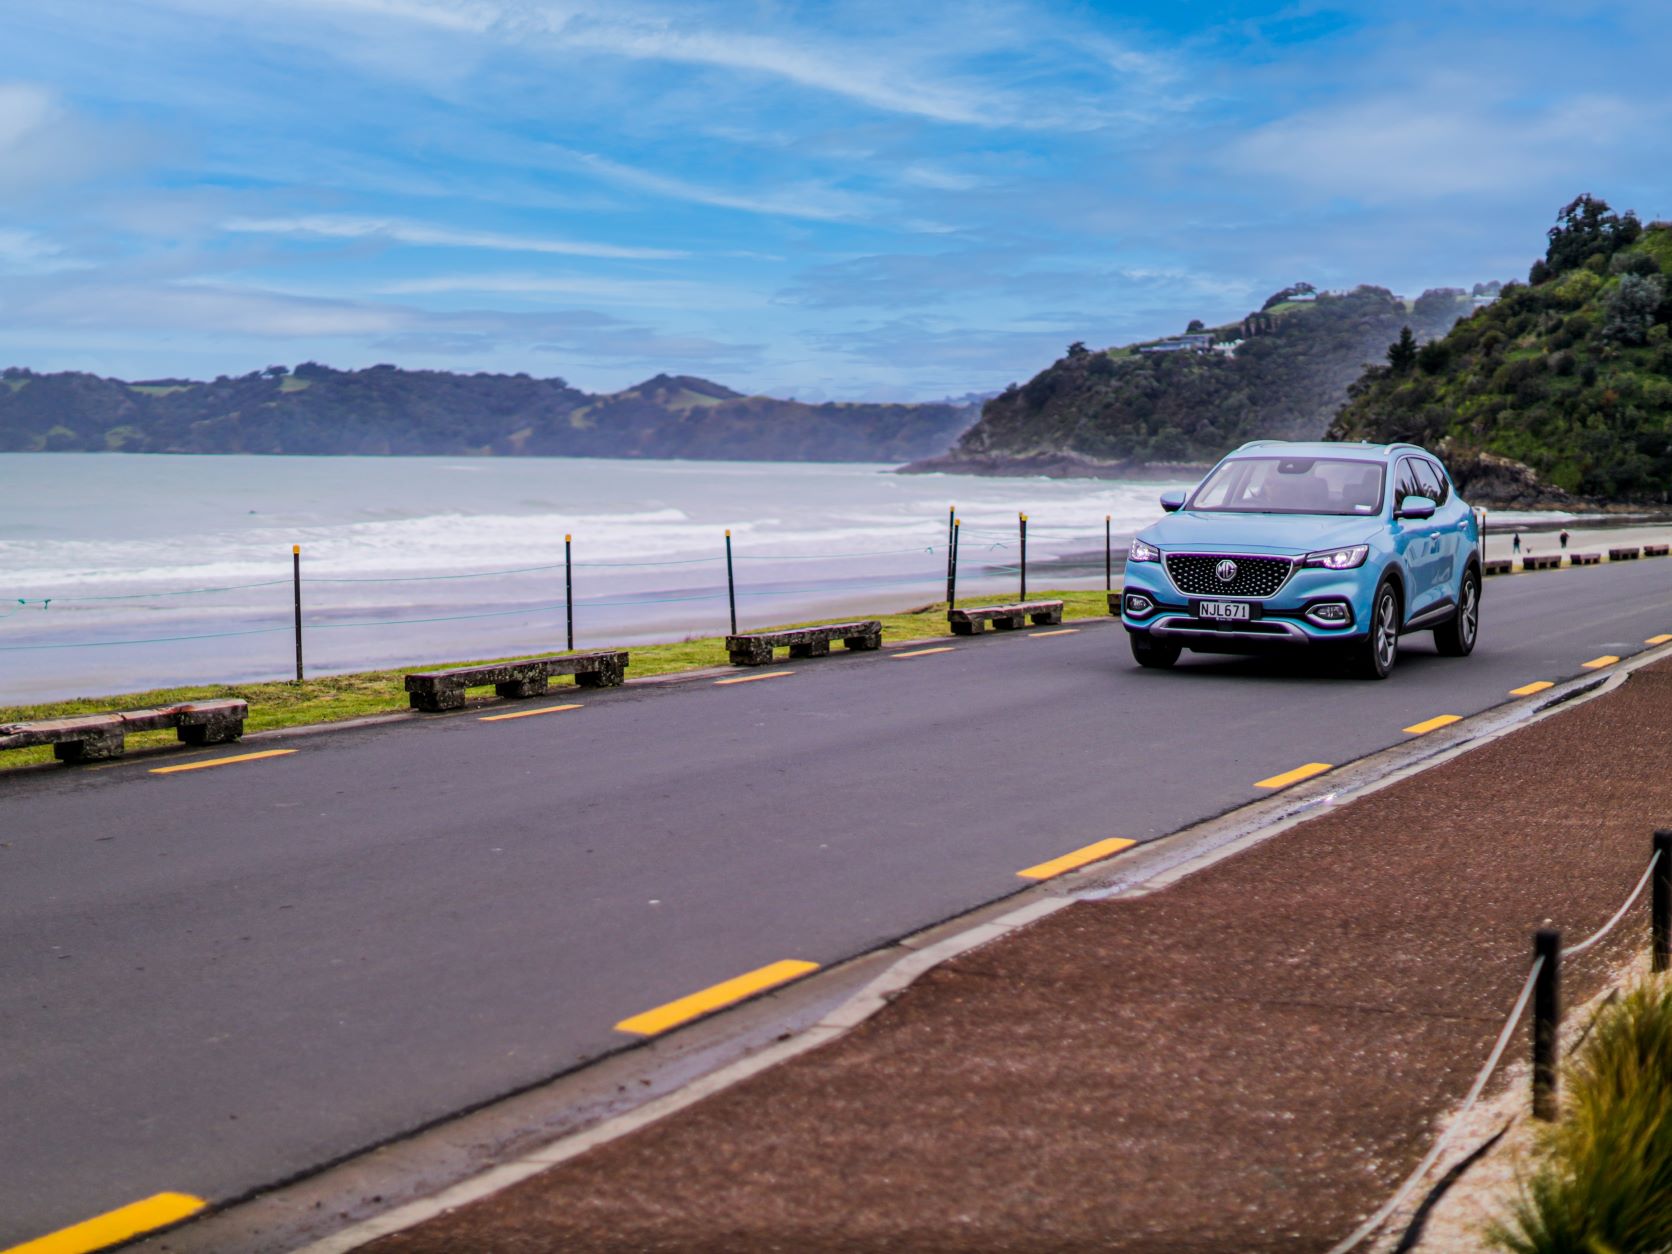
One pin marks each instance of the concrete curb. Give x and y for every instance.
(1147, 868)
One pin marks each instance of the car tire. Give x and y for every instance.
(1373, 658)
(1457, 638)
(1157, 654)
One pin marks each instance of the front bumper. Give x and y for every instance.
(1286, 619)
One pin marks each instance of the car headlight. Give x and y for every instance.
(1339, 559)
(1141, 552)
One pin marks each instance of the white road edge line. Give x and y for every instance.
(1223, 837)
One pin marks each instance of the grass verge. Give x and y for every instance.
(1602, 1183)
(332, 698)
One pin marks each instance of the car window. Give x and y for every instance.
(1427, 481)
(1433, 476)
(1292, 485)
(1407, 483)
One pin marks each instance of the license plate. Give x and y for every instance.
(1226, 611)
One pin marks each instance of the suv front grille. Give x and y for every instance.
(1196, 574)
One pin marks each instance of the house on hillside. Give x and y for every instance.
(1180, 344)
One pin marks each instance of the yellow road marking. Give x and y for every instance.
(945, 648)
(550, 709)
(1295, 776)
(1434, 724)
(1060, 631)
(1597, 663)
(652, 1022)
(1079, 858)
(202, 766)
(121, 1224)
(1657, 639)
(1527, 690)
(749, 679)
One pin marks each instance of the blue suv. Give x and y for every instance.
(1344, 547)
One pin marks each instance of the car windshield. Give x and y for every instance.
(1291, 485)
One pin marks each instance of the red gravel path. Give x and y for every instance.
(1249, 1060)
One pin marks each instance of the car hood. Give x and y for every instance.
(1257, 533)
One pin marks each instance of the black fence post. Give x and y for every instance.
(569, 588)
(296, 589)
(1108, 556)
(951, 534)
(1547, 1016)
(1024, 524)
(731, 585)
(1660, 918)
(952, 574)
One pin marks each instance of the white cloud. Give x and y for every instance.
(903, 74)
(937, 178)
(815, 201)
(24, 110)
(853, 75)
(425, 235)
(24, 252)
(1433, 145)
(671, 293)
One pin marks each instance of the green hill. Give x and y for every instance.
(384, 410)
(1568, 375)
(1281, 372)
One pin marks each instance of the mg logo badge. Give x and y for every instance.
(1226, 570)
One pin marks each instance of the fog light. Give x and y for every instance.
(1331, 614)
(1138, 604)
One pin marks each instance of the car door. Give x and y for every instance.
(1414, 542)
(1447, 537)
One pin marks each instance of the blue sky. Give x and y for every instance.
(868, 200)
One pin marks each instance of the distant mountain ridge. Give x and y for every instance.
(1280, 372)
(384, 410)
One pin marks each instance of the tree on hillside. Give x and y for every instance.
(1630, 311)
(1078, 349)
(1586, 227)
(1402, 353)
(1196, 327)
(1436, 302)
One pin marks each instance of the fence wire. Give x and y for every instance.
(1387, 1208)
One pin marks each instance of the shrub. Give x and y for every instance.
(1604, 1180)
(1631, 309)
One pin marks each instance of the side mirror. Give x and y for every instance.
(1172, 501)
(1415, 507)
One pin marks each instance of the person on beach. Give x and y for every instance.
(1563, 537)
(1515, 544)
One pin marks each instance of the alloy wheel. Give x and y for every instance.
(1387, 636)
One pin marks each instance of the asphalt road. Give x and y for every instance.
(213, 980)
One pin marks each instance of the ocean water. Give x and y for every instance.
(122, 572)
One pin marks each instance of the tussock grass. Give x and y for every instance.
(333, 698)
(1603, 1179)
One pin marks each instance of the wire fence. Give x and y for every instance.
(1541, 987)
(693, 582)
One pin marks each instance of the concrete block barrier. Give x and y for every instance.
(445, 690)
(755, 648)
(1498, 566)
(1624, 555)
(1585, 559)
(99, 737)
(969, 622)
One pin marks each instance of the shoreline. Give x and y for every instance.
(323, 699)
